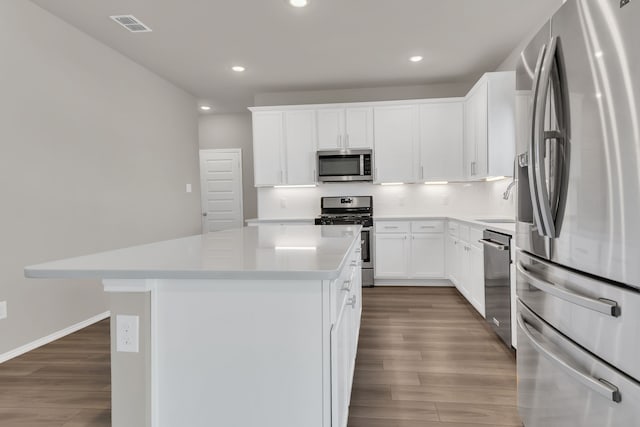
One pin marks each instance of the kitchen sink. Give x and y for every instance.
(497, 221)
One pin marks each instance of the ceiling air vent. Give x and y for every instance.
(131, 23)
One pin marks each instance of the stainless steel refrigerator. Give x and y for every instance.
(578, 229)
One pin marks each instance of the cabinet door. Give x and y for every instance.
(300, 147)
(359, 128)
(395, 135)
(441, 141)
(469, 146)
(481, 131)
(452, 259)
(462, 252)
(476, 277)
(427, 256)
(330, 128)
(391, 256)
(340, 368)
(267, 148)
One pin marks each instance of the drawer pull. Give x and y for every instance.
(601, 305)
(598, 385)
(389, 227)
(428, 226)
(346, 285)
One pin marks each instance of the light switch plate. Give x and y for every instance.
(189, 189)
(127, 333)
(3, 310)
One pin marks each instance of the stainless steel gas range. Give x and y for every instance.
(352, 210)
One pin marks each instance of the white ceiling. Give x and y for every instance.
(332, 44)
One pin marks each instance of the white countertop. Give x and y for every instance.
(268, 252)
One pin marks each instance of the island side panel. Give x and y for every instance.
(240, 353)
(131, 372)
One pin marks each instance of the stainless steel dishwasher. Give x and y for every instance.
(497, 283)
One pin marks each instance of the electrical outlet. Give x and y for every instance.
(3, 310)
(127, 335)
(189, 189)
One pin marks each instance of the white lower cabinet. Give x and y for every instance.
(392, 251)
(410, 250)
(465, 263)
(427, 256)
(347, 301)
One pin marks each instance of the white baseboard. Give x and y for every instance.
(52, 337)
(413, 282)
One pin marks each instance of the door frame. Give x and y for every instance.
(203, 182)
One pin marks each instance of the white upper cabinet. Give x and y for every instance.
(345, 128)
(268, 139)
(330, 128)
(441, 139)
(395, 136)
(489, 127)
(284, 147)
(300, 147)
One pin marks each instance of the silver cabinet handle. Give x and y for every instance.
(604, 306)
(281, 176)
(598, 385)
(428, 226)
(352, 301)
(421, 172)
(390, 227)
(494, 245)
(339, 141)
(355, 263)
(346, 140)
(346, 285)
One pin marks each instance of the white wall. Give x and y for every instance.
(465, 199)
(95, 154)
(233, 131)
(391, 93)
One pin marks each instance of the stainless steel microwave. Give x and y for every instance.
(345, 165)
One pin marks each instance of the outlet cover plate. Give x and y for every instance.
(127, 333)
(3, 310)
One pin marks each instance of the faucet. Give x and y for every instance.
(509, 190)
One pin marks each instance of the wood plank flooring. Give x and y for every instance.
(66, 383)
(425, 359)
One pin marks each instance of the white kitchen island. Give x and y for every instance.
(240, 328)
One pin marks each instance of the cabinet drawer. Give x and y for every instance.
(475, 234)
(463, 232)
(429, 226)
(452, 227)
(393, 227)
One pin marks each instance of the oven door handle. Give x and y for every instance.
(598, 385)
(601, 305)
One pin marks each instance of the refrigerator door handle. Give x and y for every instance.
(540, 138)
(532, 138)
(601, 305)
(598, 385)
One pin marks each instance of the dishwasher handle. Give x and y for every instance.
(494, 245)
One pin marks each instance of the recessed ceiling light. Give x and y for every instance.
(205, 108)
(298, 3)
(238, 68)
(599, 54)
(416, 58)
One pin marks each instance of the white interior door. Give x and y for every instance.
(221, 186)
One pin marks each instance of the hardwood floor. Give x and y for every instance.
(64, 384)
(425, 359)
